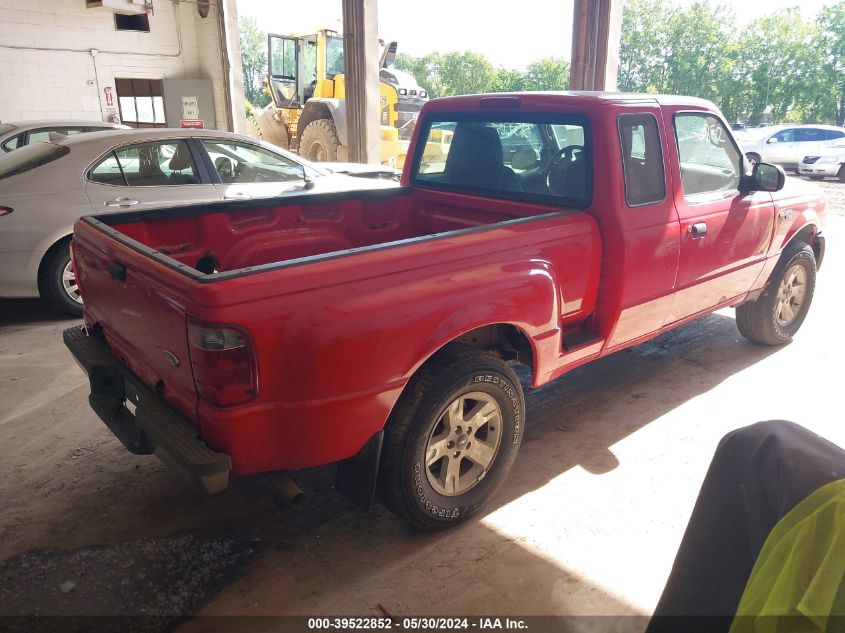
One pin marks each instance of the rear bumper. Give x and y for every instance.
(141, 420)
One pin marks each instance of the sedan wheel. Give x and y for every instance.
(70, 285)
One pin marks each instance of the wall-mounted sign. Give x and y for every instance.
(190, 108)
(193, 124)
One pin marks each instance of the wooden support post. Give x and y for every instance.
(361, 61)
(596, 31)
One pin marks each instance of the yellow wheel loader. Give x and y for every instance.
(308, 112)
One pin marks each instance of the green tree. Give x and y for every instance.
(507, 81)
(254, 60)
(831, 26)
(466, 73)
(549, 73)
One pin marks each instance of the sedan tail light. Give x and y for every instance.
(223, 362)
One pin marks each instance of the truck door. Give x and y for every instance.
(724, 234)
(283, 61)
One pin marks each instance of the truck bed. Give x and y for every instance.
(219, 240)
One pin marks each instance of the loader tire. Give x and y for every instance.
(319, 141)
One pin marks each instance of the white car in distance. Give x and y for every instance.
(786, 145)
(828, 162)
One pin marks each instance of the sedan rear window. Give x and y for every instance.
(30, 157)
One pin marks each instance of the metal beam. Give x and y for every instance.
(596, 32)
(361, 61)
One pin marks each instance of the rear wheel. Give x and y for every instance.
(452, 438)
(779, 312)
(58, 282)
(319, 141)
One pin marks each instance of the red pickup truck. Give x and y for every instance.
(379, 329)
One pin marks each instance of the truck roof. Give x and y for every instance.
(583, 98)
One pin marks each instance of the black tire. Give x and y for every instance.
(758, 320)
(404, 479)
(814, 177)
(841, 174)
(51, 283)
(753, 157)
(319, 141)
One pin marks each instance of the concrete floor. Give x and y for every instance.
(588, 522)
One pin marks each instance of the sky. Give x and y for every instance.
(510, 33)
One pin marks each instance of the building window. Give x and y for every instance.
(140, 22)
(141, 102)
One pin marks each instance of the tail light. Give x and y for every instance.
(223, 361)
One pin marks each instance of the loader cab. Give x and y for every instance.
(304, 66)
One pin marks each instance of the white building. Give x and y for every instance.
(144, 62)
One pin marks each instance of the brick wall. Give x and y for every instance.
(67, 81)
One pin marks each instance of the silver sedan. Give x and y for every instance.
(45, 187)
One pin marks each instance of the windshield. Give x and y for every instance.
(30, 157)
(334, 56)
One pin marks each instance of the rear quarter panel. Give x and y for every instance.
(339, 339)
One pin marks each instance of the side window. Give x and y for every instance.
(642, 159)
(710, 163)
(13, 143)
(785, 136)
(243, 163)
(107, 171)
(809, 135)
(153, 164)
(832, 135)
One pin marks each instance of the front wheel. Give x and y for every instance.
(58, 283)
(452, 438)
(780, 310)
(319, 141)
(841, 174)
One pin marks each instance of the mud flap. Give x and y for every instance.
(357, 476)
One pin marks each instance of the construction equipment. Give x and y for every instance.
(308, 112)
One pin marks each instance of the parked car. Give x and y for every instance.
(18, 134)
(45, 187)
(828, 162)
(786, 145)
(375, 328)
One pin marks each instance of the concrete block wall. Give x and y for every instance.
(47, 69)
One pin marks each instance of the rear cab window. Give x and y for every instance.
(30, 157)
(541, 157)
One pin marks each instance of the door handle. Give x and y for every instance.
(697, 230)
(122, 202)
(236, 196)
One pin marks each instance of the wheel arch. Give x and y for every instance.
(322, 108)
(50, 245)
(808, 234)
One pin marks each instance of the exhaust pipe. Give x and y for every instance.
(285, 488)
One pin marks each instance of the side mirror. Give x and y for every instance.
(774, 139)
(766, 177)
